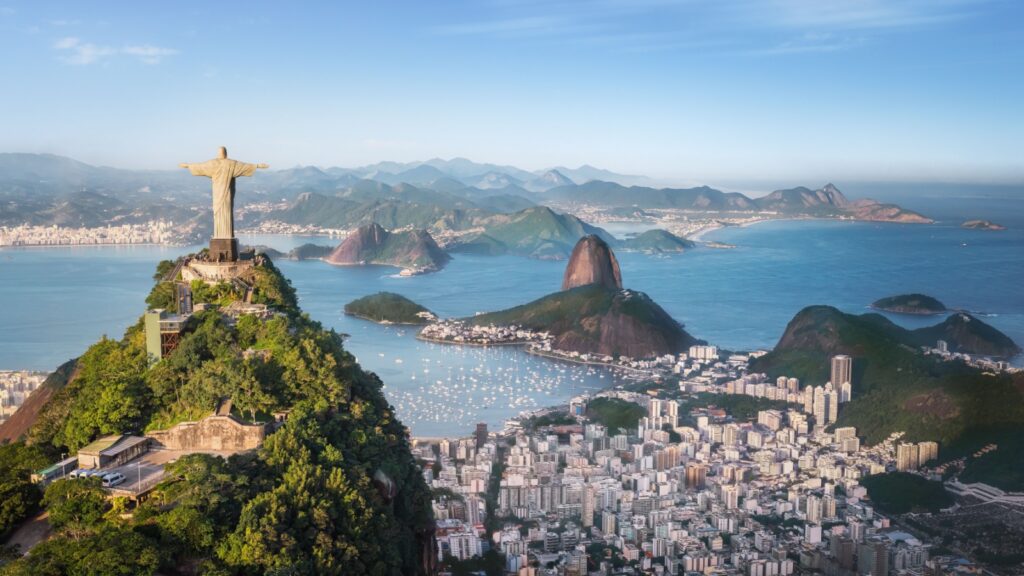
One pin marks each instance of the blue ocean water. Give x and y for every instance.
(56, 301)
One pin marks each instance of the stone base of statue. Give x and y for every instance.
(223, 250)
(215, 272)
(218, 266)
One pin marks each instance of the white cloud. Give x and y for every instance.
(149, 54)
(80, 53)
(73, 51)
(747, 26)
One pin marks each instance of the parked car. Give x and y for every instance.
(77, 473)
(113, 479)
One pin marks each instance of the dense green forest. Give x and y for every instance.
(615, 414)
(901, 492)
(334, 491)
(387, 307)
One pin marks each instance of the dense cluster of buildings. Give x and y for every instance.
(686, 490)
(15, 387)
(283, 228)
(705, 373)
(155, 232)
(765, 498)
(459, 332)
(681, 222)
(941, 350)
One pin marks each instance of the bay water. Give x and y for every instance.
(55, 301)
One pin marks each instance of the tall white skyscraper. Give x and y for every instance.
(819, 409)
(654, 409)
(672, 412)
(845, 392)
(588, 505)
(842, 370)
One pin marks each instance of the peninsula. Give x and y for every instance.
(591, 319)
(414, 251)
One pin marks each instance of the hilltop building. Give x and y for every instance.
(163, 332)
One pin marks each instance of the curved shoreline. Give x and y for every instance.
(382, 322)
(534, 352)
(910, 313)
(476, 344)
(557, 357)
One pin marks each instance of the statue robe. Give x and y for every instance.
(223, 172)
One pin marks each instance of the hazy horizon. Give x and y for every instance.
(763, 90)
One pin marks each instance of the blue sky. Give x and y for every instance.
(802, 91)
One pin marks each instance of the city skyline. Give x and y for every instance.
(687, 92)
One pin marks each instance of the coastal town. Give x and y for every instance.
(154, 232)
(15, 388)
(687, 484)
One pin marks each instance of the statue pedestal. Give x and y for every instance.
(216, 272)
(223, 249)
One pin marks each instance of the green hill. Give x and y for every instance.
(334, 490)
(657, 241)
(387, 307)
(967, 334)
(537, 232)
(343, 213)
(895, 386)
(900, 492)
(909, 304)
(594, 319)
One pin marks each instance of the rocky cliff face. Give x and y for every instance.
(592, 262)
(365, 241)
(372, 244)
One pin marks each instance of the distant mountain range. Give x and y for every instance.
(827, 201)
(46, 189)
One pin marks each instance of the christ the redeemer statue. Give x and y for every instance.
(223, 171)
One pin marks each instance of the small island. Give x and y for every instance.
(982, 225)
(918, 304)
(719, 245)
(389, 308)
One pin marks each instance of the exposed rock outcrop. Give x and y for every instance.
(592, 262)
(372, 244)
(982, 225)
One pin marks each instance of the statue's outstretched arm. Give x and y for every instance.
(183, 165)
(261, 165)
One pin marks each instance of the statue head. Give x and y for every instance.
(222, 152)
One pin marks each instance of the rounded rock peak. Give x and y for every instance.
(592, 262)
